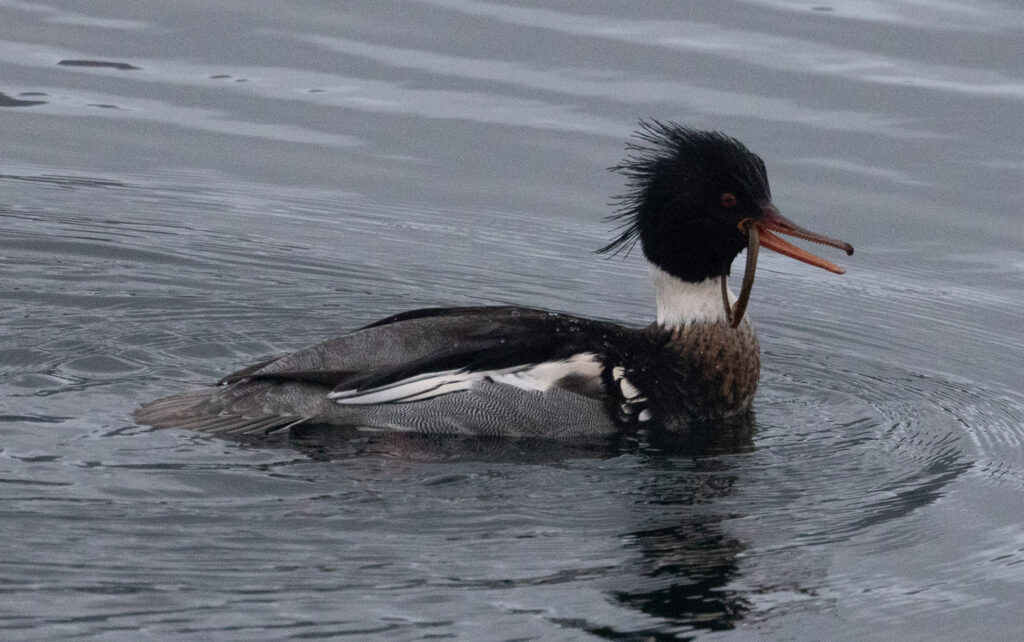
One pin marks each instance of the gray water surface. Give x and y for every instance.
(188, 187)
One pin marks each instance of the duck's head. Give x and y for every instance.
(696, 199)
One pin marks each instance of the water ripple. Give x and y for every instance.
(754, 47)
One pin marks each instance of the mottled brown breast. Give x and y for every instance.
(725, 361)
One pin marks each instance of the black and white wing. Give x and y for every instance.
(425, 355)
(527, 349)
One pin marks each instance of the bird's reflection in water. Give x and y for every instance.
(685, 565)
(682, 560)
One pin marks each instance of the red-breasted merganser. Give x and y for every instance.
(695, 200)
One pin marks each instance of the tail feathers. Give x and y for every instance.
(206, 411)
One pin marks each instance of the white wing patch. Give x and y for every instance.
(543, 376)
(424, 386)
(537, 377)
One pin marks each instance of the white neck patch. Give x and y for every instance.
(681, 303)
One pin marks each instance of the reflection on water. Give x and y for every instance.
(680, 569)
(184, 192)
(689, 564)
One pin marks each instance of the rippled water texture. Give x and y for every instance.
(188, 187)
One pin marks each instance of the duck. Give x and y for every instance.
(694, 201)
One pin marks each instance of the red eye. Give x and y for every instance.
(728, 200)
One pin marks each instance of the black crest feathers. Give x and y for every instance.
(664, 155)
